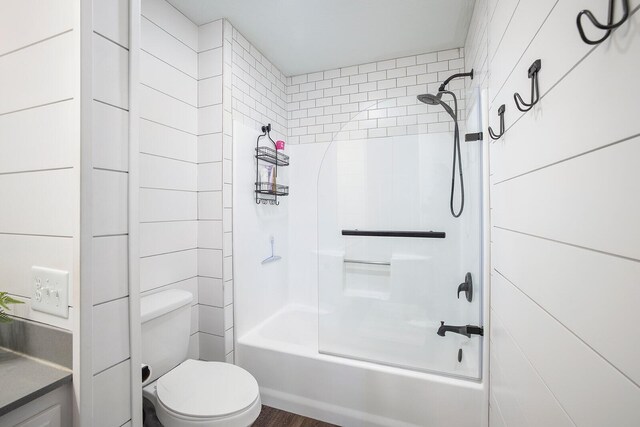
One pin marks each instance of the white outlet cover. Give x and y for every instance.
(50, 291)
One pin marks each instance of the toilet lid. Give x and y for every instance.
(207, 389)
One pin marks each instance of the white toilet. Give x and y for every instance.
(188, 392)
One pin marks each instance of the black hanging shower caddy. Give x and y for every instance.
(268, 192)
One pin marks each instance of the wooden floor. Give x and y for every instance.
(272, 417)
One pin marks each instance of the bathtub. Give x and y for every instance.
(282, 353)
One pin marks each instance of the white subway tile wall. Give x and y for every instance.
(373, 100)
(259, 88)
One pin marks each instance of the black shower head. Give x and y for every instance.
(429, 99)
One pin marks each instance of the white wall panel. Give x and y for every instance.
(561, 172)
(536, 402)
(524, 24)
(210, 148)
(210, 291)
(167, 79)
(38, 138)
(39, 203)
(500, 19)
(160, 205)
(210, 176)
(500, 388)
(163, 237)
(110, 140)
(210, 234)
(210, 63)
(111, 19)
(172, 21)
(212, 347)
(30, 21)
(210, 119)
(26, 76)
(211, 320)
(495, 417)
(110, 268)
(548, 202)
(590, 390)
(210, 91)
(160, 270)
(110, 73)
(210, 35)
(18, 253)
(562, 129)
(110, 336)
(109, 203)
(210, 263)
(565, 280)
(164, 46)
(164, 141)
(161, 108)
(168, 174)
(112, 396)
(210, 205)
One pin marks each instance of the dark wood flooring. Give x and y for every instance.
(272, 417)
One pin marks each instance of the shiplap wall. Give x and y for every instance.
(110, 349)
(565, 254)
(39, 146)
(211, 195)
(169, 154)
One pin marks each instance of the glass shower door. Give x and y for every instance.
(382, 298)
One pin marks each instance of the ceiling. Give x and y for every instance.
(302, 36)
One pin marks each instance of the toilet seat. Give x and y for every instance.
(207, 394)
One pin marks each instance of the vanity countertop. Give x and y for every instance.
(23, 379)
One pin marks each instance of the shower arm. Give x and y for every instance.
(455, 76)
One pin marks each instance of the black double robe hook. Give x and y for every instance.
(610, 25)
(535, 91)
(501, 114)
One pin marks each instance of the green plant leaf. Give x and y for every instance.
(5, 300)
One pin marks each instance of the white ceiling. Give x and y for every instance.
(301, 36)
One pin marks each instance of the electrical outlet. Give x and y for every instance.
(50, 291)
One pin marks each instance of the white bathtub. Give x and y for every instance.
(282, 353)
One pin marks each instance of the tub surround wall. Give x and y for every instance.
(565, 231)
(254, 95)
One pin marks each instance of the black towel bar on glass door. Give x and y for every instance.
(376, 233)
(610, 25)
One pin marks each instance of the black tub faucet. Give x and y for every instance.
(466, 330)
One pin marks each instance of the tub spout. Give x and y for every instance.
(466, 330)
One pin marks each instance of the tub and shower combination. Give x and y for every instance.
(344, 327)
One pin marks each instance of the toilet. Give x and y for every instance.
(187, 392)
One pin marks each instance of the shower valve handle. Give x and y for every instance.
(467, 287)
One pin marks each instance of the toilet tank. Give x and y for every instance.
(166, 327)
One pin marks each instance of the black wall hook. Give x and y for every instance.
(501, 114)
(610, 25)
(535, 91)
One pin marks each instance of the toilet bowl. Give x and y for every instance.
(187, 392)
